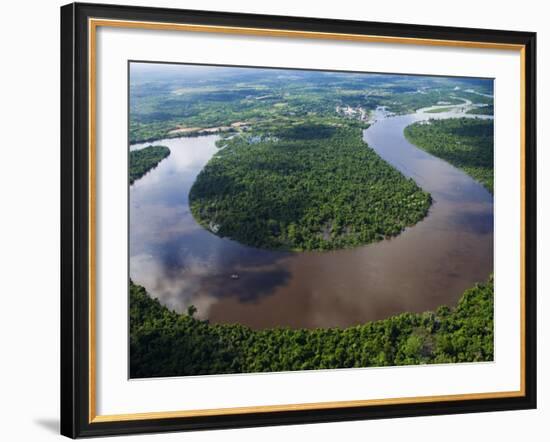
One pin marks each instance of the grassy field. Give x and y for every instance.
(439, 110)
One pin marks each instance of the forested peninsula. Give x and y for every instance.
(165, 343)
(304, 187)
(466, 143)
(143, 160)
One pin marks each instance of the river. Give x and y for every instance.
(428, 265)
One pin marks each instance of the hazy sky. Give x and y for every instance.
(170, 70)
(140, 71)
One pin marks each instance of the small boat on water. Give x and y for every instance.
(234, 276)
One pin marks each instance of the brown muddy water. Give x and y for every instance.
(428, 265)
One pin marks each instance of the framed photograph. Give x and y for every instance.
(278, 220)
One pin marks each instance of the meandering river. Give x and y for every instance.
(428, 265)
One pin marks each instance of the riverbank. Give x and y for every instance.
(182, 131)
(466, 143)
(144, 160)
(164, 343)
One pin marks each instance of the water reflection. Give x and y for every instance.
(430, 264)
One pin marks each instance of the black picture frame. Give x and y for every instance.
(75, 220)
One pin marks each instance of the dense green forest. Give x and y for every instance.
(143, 160)
(165, 343)
(466, 143)
(304, 187)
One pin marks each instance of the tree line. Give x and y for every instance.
(466, 143)
(166, 343)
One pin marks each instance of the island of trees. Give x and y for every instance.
(143, 160)
(466, 143)
(166, 343)
(304, 188)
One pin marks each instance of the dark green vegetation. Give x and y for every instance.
(143, 160)
(485, 110)
(165, 343)
(173, 98)
(466, 143)
(304, 187)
